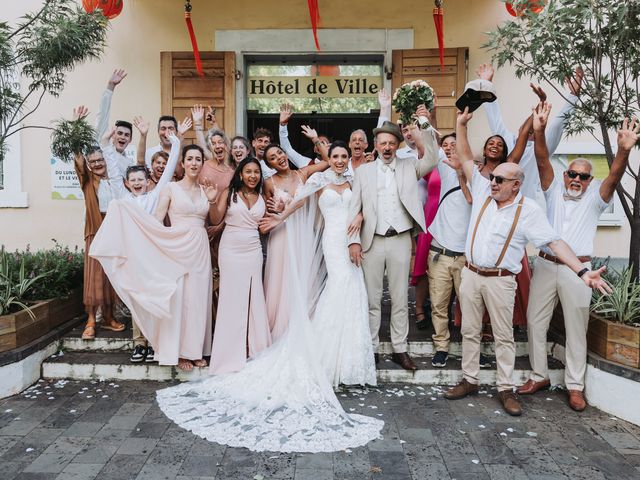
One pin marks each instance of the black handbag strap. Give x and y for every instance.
(454, 189)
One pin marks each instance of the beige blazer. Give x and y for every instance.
(408, 171)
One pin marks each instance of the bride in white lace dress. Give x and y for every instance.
(283, 399)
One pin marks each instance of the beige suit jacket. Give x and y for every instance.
(408, 171)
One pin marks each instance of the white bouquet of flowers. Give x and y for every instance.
(407, 98)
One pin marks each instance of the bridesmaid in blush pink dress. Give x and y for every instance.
(279, 191)
(163, 274)
(242, 326)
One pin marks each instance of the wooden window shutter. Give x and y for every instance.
(409, 65)
(181, 86)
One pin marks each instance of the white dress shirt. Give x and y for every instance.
(112, 187)
(449, 227)
(102, 124)
(575, 221)
(495, 225)
(391, 212)
(531, 187)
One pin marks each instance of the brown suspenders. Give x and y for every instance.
(511, 232)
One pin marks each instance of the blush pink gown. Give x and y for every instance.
(242, 325)
(163, 274)
(275, 268)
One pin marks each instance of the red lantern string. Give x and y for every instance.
(192, 36)
(438, 19)
(314, 13)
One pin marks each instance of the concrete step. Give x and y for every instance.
(420, 344)
(116, 366)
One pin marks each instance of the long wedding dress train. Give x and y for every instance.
(283, 399)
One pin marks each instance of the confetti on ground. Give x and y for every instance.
(481, 426)
(510, 430)
(462, 432)
(8, 410)
(533, 434)
(470, 405)
(29, 450)
(72, 411)
(348, 450)
(549, 399)
(402, 441)
(497, 412)
(502, 434)
(475, 462)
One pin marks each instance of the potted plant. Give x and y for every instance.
(614, 323)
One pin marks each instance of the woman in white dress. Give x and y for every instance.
(283, 399)
(341, 318)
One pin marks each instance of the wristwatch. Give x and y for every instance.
(582, 272)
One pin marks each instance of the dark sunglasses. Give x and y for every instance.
(499, 179)
(573, 174)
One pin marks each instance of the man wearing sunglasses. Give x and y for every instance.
(574, 204)
(502, 223)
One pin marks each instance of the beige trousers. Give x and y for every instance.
(497, 294)
(552, 282)
(394, 255)
(444, 276)
(138, 337)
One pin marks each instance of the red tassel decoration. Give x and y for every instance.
(438, 19)
(314, 13)
(192, 36)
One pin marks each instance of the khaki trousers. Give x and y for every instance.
(552, 282)
(394, 255)
(497, 294)
(138, 337)
(444, 275)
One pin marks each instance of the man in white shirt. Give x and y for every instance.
(574, 204)
(123, 133)
(446, 256)
(531, 188)
(502, 223)
(167, 126)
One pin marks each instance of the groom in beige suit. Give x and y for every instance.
(386, 192)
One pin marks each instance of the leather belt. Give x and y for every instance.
(489, 272)
(554, 259)
(390, 233)
(445, 252)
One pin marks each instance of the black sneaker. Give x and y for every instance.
(440, 359)
(150, 355)
(139, 354)
(484, 361)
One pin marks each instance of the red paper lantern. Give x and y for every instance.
(533, 6)
(325, 71)
(110, 8)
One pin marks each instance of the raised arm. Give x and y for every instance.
(521, 143)
(463, 149)
(627, 139)
(384, 100)
(299, 160)
(79, 161)
(143, 128)
(217, 202)
(426, 141)
(197, 113)
(492, 109)
(323, 150)
(169, 170)
(102, 121)
(556, 126)
(540, 117)
(455, 164)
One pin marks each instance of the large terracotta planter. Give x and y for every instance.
(20, 328)
(614, 341)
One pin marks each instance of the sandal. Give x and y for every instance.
(200, 363)
(89, 332)
(185, 365)
(114, 326)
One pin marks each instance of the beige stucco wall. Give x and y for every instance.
(147, 27)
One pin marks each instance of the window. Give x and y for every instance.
(11, 194)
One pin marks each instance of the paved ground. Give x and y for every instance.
(84, 430)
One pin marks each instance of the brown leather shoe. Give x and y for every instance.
(404, 360)
(510, 402)
(532, 387)
(576, 400)
(461, 390)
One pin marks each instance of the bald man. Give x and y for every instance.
(502, 223)
(574, 204)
